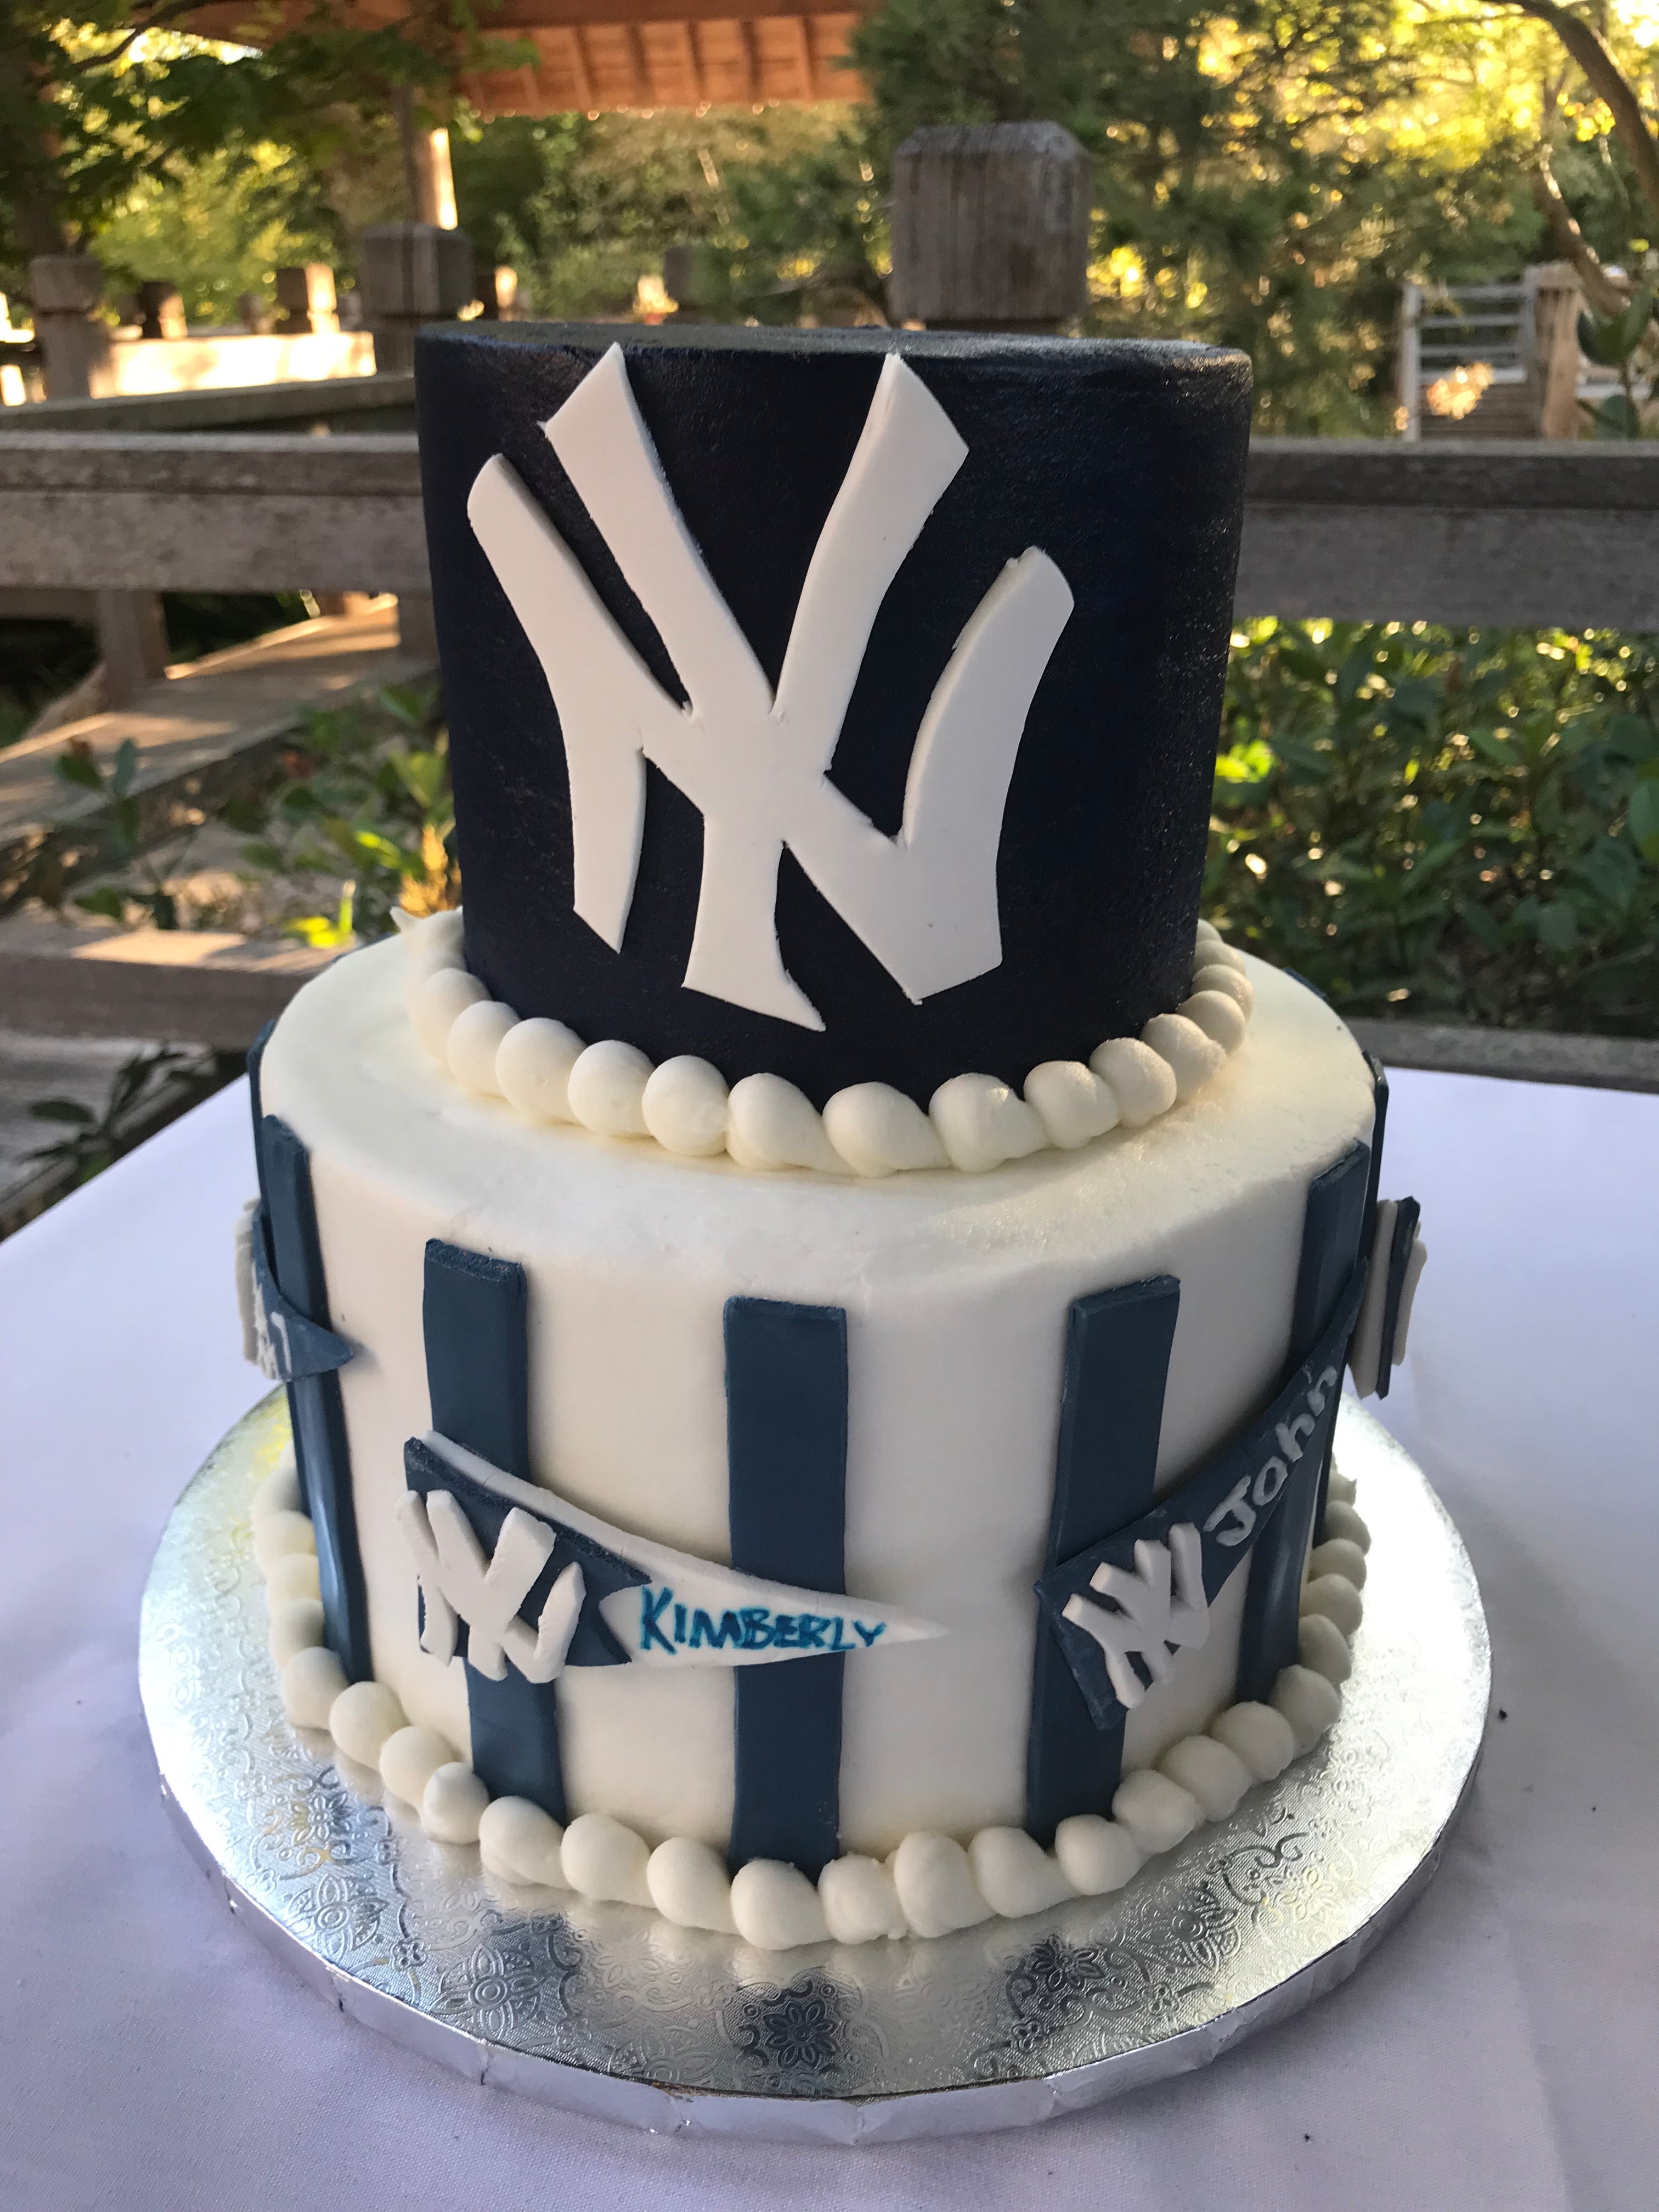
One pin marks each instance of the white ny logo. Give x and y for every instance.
(1146, 1623)
(755, 762)
(456, 1579)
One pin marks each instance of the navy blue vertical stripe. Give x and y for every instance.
(255, 1064)
(1333, 1230)
(786, 1447)
(477, 1373)
(1111, 1414)
(315, 1406)
(1368, 1230)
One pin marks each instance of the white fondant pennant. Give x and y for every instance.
(754, 763)
(689, 1613)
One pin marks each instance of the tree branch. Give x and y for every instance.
(1600, 289)
(1608, 83)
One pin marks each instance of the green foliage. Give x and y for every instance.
(364, 800)
(123, 829)
(150, 1087)
(96, 107)
(1451, 824)
(784, 205)
(1261, 179)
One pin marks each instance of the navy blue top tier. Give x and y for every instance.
(817, 600)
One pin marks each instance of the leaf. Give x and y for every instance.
(76, 765)
(106, 900)
(126, 767)
(1557, 926)
(62, 1109)
(1643, 818)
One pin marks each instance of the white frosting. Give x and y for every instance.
(1308, 1703)
(602, 1858)
(1336, 1597)
(408, 1760)
(1157, 1812)
(522, 1843)
(1261, 1737)
(775, 1907)
(311, 1679)
(1014, 1874)
(1337, 1555)
(1211, 1774)
(1096, 1856)
(1321, 1645)
(955, 1293)
(689, 1885)
(453, 1803)
(296, 1626)
(930, 1886)
(934, 1878)
(293, 1575)
(1341, 1520)
(363, 1719)
(973, 1122)
(860, 1900)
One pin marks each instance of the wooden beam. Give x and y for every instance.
(678, 37)
(540, 15)
(580, 70)
(126, 512)
(801, 54)
(752, 80)
(641, 67)
(1373, 530)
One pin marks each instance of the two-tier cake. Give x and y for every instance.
(814, 1311)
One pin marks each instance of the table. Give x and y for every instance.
(1499, 2049)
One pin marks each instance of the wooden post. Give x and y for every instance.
(75, 354)
(1549, 348)
(162, 310)
(305, 300)
(75, 348)
(411, 273)
(500, 292)
(428, 179)
(1408, 363)
(991, 227)
(132, 643)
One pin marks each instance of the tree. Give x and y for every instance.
(96, 104)
(1255, 183)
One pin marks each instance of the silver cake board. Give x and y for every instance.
(610, 2009)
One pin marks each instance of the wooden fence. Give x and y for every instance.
(1526, 534)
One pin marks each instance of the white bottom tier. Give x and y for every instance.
(956, 1291)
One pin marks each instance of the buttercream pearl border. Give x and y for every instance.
(973, 1122)
(931, 1886)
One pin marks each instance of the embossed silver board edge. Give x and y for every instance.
(608, 2009)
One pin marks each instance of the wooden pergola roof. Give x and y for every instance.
(595, 54)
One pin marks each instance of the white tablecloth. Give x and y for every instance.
(1502, 2048)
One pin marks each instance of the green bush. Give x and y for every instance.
(1451, 825)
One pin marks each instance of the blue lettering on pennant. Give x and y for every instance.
(679, 1623)
(756, 1631)
(703, 1631)
(785, 1632)
(653, 1605)
(869, 1634)
(811, 1634)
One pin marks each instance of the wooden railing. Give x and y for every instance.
(1525, 534)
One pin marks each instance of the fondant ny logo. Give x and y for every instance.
(755, 762)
